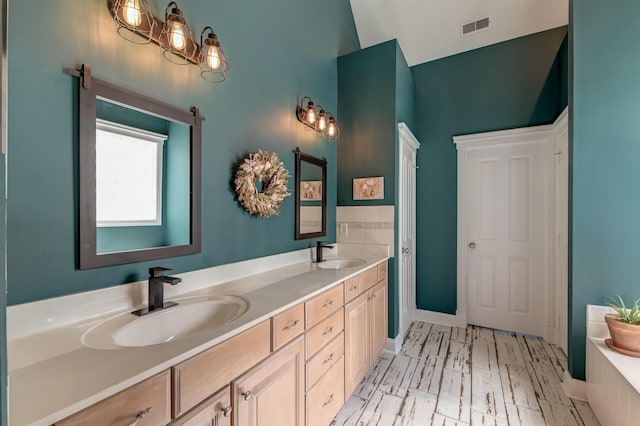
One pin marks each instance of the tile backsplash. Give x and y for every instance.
(596, 326)
(366, 225)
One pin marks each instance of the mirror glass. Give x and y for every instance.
(311, 196)
(139, 177)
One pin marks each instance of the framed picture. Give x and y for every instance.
(311, 190)
(371, 188)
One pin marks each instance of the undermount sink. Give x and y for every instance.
(340, 263)
(190, 316)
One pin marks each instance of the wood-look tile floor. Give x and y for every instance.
(474, 376)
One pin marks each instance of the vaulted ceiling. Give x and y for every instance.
(430, 29)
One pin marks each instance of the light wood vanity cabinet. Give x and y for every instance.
(272, 393)
(293, 369)
(365, 326)
(150, 400)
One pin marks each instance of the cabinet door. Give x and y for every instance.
(378, 317)
(272, 393)
(214, 411)
(356, 342)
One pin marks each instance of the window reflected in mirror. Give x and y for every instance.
(142, 180)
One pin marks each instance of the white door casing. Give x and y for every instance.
(407, 227)
(560, 264)
(504, 282)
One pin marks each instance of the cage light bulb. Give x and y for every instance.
(131, 12)
(332, 129)
(176, 35)
(322, 121)
(311, 114)
(213, 58)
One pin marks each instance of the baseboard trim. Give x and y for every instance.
(439, 318)
(574, 388)
(393, 346)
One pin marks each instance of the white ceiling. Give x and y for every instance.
(431, 29)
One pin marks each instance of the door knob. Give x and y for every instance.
(472, 245)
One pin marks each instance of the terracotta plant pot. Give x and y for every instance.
(625, 336)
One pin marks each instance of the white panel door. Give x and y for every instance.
(407, 227)
(507, 219)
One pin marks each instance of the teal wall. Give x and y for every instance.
(405, 91)
(606, 148)
(508, 85)
(376, 92)
(366, 109)
(276, 54)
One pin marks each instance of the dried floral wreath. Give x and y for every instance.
(264, 167)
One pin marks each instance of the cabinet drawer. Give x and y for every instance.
(324, 360)
(286, 326)
(351, 288)
(122, 408)
(324, 332)
(368, 279)
(200, 376)
(382, 271)
(324, 304)
(326, 397)
(215, 410)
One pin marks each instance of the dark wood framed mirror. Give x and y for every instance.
(310, 196)
(139, 176)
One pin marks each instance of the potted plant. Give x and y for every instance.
(624, 327)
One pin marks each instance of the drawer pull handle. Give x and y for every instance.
(354, 288)
(328, 304)
(226, 411)
(140, 415)
(328, 359)
(290, 326)
(373, 295)
(327, 331)
(246, 395)
(328, 401)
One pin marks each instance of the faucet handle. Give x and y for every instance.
(157, 271)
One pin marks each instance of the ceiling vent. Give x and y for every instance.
(474, 26)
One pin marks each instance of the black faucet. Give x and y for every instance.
(319, 246)
(157, 280)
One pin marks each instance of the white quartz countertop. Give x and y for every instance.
(53, 375)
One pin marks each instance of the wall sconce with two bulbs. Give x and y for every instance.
(173, 36)
(315, 117)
